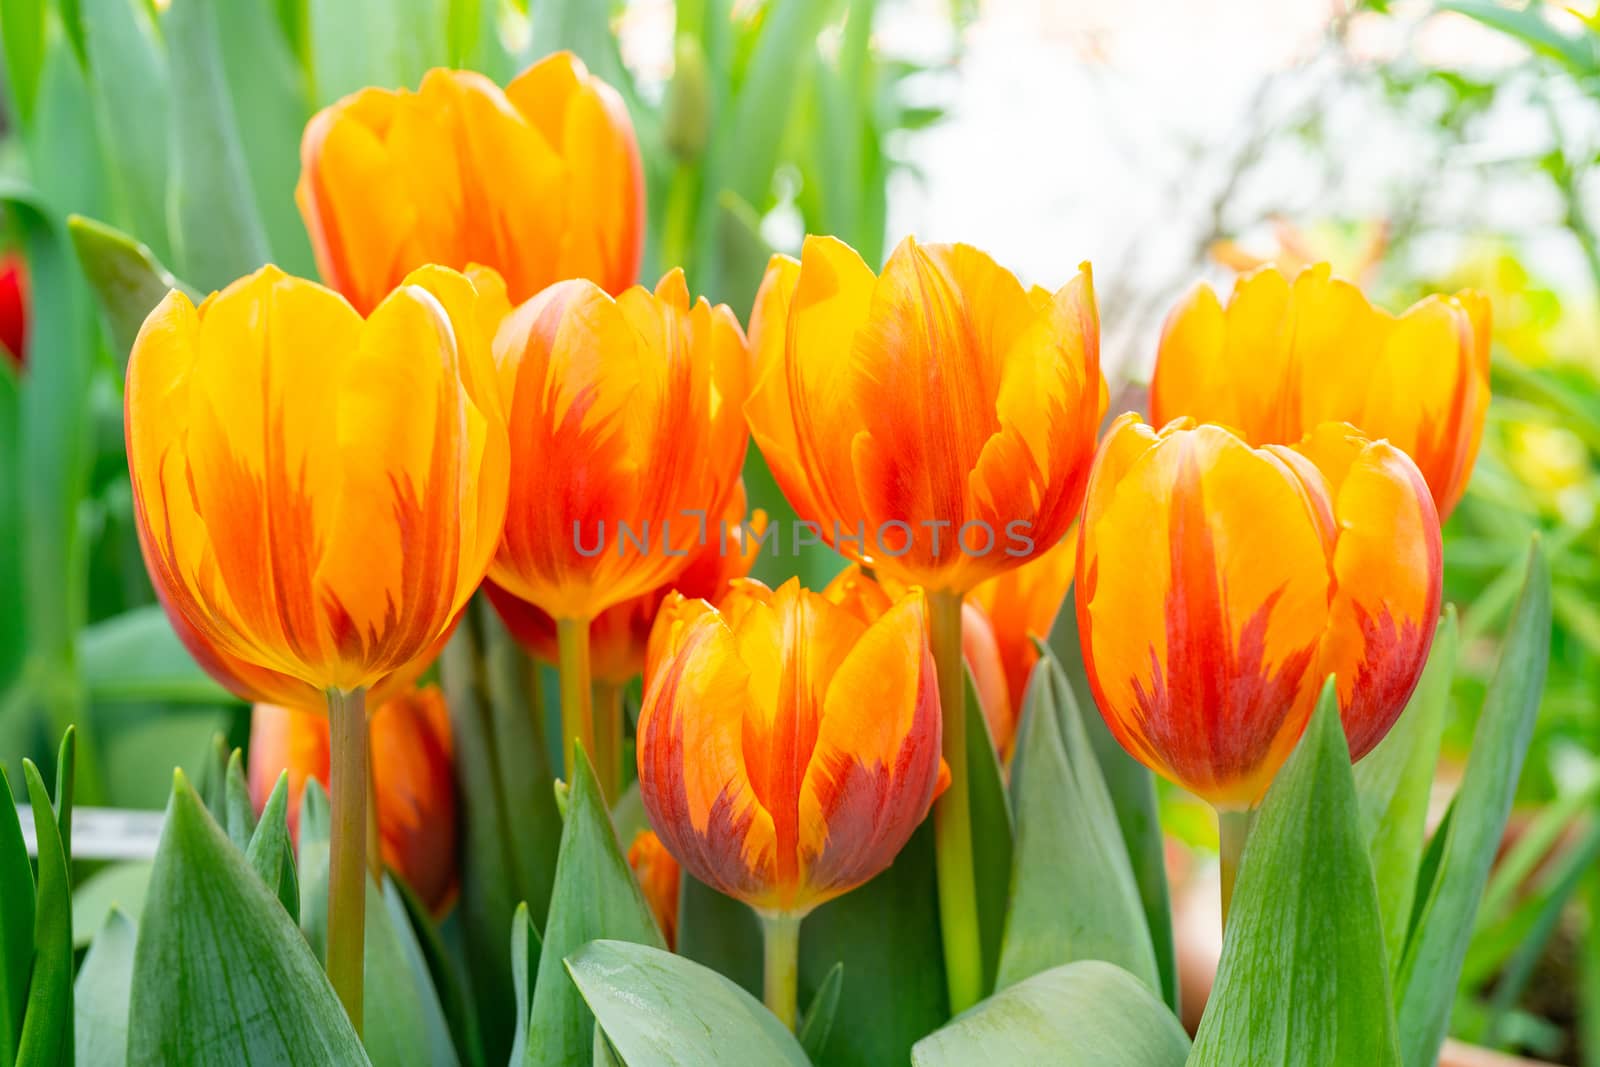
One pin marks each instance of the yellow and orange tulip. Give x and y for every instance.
(1284, 356)
(622, 411)
(618, 636)
(936, 422)
(413, 780)
(541, 181)
(786, 748)
(660, 879)
(316, 494)
(1220, 584)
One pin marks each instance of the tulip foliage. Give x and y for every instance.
(663, 651)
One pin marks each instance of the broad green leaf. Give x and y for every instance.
(1395, 782)
(400, 39)
(817, 1023)
(100, 995)
(391, 994)
(886, 933)
(119, 887)
(271, 853)
(440, 1049)
(217, 235)
(1133, 795)
(1426, 979)
(991, 834)
(511, 827)
(13, 619)
(1303, 979)
(659, 1009)
(719, 932)
(1576, 51)
(62, 143)
(221, 975)
(1084, 1014)
(1073, 896)
(137, 737)
(595, 895)
(239, 815)
(47, 1036)
(312, 867)
(128, 283)
(16, 924)
(128, 79)
(459, 1012)
(22, 35)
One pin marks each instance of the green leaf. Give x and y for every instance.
(217, 235)
(1084, 1014)
(128, 80)
(16, 924)
(221, 975)
(719, 932)
(312, 867)
(886, 933)
(525, 952)
(271, 853)
(47, 1036)
(818, 1020)
(1303, 980)
(1395, 783)
(595, 896)
(239, 814)
(439, 1048)
(1133, 795)
(458, 1009)
(1073, 896)
(1576, 52)
(991, 834)
(22, 26)
(1426, 979)
(66, 785)
(128, 283)
(119, 887)
(511, 826)
(400, 39)
(392, 993)
(659, 1009)
(100, 994)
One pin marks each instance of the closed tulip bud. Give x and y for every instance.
(14, 307)
(936, 422)
(1283, 357)
(1219, 585)
(660, 878)
(786, 748)
(412, 772)
(541, 181)
(867, 599)
(618, 636)
(627, 440)
(317, 494)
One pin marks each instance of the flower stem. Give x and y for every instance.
(347, 874)
(1232, 829)
(608, 739)
(577, 712)
(780, 938)
(952, 815)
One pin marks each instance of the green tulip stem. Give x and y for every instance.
(577, 707)
(780, 937)
(1232, 829)
(952, 814)
(347, 846)
(608, 739)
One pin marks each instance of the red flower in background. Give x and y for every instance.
(14, 306)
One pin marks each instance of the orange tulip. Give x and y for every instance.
(317, 495)
(1021, 605)
(660, 879)
(413, 780)
(1219, 585)
(1283, 357)
(542, 182)
(936, 422)
(787, 749)
(626, 435)
(868, 600)
(618, 636)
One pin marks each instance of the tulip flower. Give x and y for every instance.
(316, 496)
(936, 423)
(413, 781)
(660, 879)
(1284, 356)
(14, 307)
(1220, 584)
(1021, 605)
(627, 442)
(867, 599)
(541, 181)
(787, 750)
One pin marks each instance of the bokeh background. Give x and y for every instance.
(1419, 146)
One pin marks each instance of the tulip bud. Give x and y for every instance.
(660, 879)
